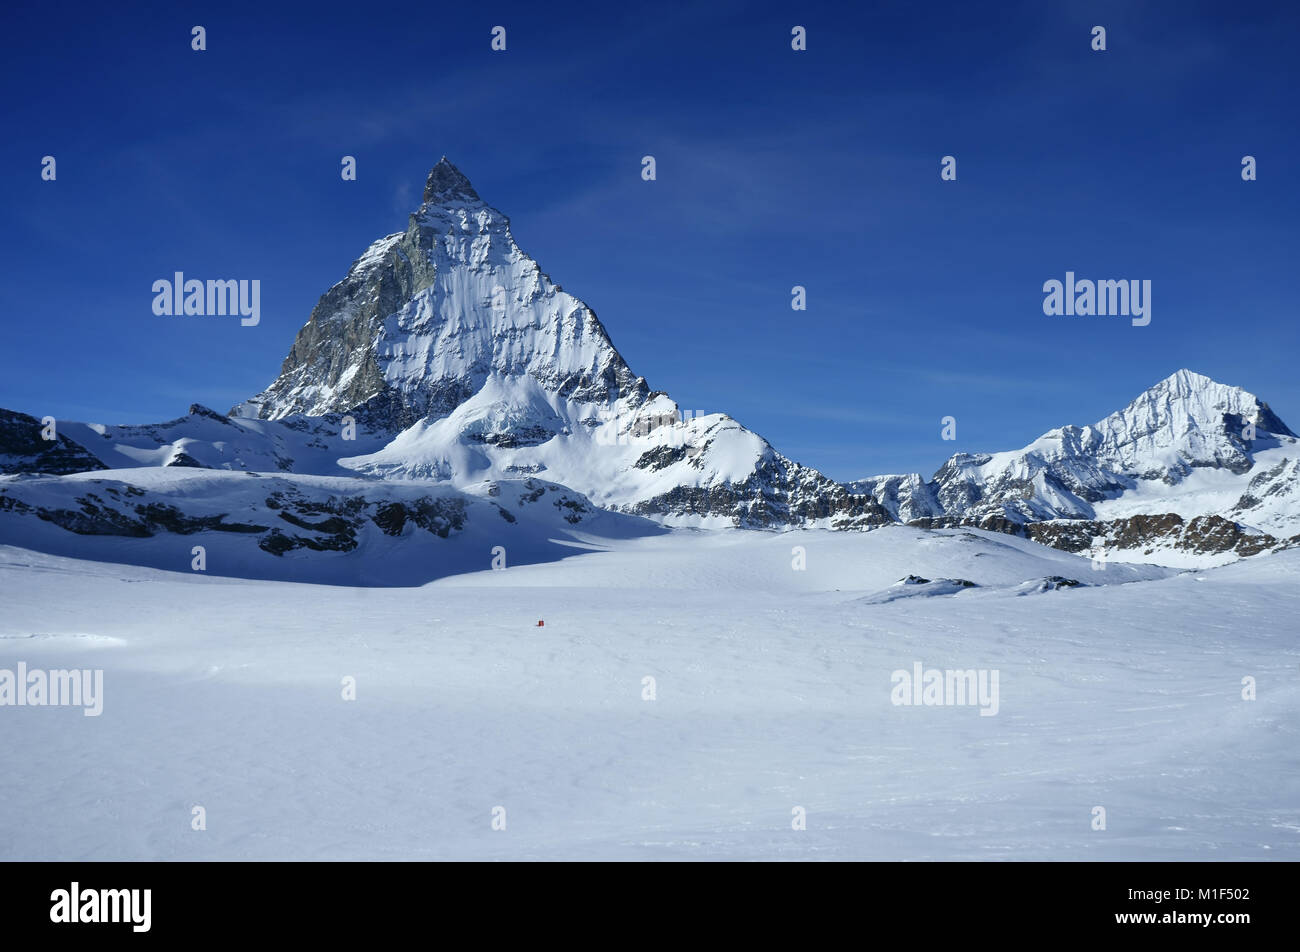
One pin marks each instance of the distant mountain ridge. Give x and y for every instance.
(1188, 446)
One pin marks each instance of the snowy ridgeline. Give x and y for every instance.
(690, 695)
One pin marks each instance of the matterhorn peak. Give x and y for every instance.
(446, 182)
(427, 318)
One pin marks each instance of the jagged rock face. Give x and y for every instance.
(1203, 535)
(1038, 485)
(1271, 494)
(779, 494)
(905, 497)
(426, 316)
(1132, 538)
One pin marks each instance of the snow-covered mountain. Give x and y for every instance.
(425, 318)
(1187, 448)
(454, 342)
(447, 356)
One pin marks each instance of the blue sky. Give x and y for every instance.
(775, 168)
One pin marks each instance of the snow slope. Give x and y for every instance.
(204, 438)
(773, 691)
(322, 529)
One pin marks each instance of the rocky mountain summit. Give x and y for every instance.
(425, 317)
(452, 340)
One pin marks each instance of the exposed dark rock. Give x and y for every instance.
(23, 450)
(139, 521)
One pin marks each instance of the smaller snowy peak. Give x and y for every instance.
(199, 410)
(1185, 448)
(1186, 401)
(447, 183)
(1185, 421)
